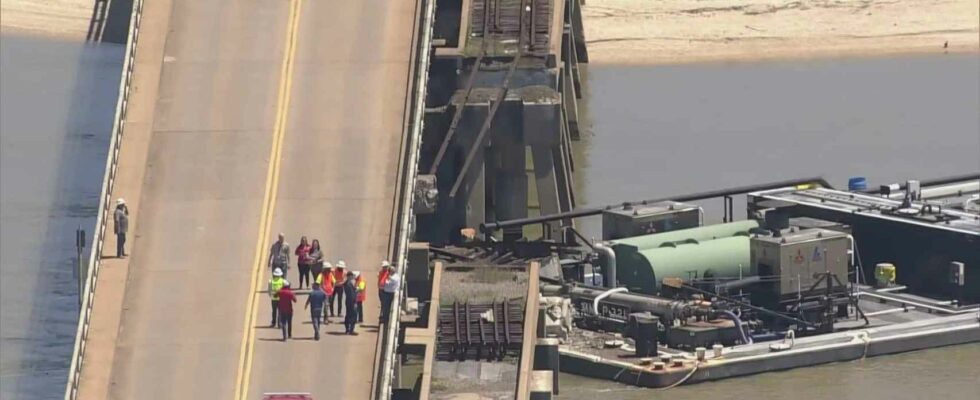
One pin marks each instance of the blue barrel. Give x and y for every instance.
(857, 183)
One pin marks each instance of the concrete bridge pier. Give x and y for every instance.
(536, 58)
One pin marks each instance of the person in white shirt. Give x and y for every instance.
(391, 286)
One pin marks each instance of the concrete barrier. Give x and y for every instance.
(403, 219)
(95, 258)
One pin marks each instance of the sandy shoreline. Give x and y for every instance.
(687, 31)
(66, 19)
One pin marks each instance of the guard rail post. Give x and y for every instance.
(403, 223)
(108, 181)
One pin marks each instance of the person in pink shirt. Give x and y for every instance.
(303, 260)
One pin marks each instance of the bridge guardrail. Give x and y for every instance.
(112, 160)
(403, 225)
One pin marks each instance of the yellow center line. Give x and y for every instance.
(269, 202)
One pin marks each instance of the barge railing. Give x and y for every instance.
(586, 212)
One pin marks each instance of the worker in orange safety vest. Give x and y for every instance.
(327, 283)
(383, 278)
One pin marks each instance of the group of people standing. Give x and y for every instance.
(331, 285)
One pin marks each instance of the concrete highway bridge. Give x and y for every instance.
(241, 119)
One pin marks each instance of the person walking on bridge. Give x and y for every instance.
(279, 255)
(120, 217)
(350, 291)
(303, 261)
(315, 302)
(275, 284)
(327, 283)
(316, 260)
(340, 277)
(286, 300)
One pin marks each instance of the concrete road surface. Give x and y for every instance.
(222, 175)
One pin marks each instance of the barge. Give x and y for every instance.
(813, 275)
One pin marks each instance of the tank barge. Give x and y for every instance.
(813, 275)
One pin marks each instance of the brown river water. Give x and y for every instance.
(657, 131)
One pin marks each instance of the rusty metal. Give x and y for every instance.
(481, 138)
(458, 113)
(463, 332)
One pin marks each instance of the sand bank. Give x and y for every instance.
(68, 19)
(681, 31)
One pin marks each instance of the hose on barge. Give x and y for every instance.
(738, 324)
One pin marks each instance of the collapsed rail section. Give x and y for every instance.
(504, 85)
(475, 333)
(482, 331)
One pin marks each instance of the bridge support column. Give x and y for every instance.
(542, 125)
(471, 198)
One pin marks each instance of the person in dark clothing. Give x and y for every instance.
(303, 261)
(315, 303)
(121, 226)
(286, 300)
(350, 300)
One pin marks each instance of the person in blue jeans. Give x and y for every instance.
(286, 300)
(315, 303)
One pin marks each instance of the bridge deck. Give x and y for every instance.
(209, 173)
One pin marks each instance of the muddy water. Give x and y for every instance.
(57, 101)
(660, 131)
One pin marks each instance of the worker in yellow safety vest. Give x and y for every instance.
(361, 295)
(275, 284)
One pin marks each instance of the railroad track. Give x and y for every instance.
(488, 332)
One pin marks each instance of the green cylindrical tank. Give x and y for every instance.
(643, 271)
(624, 247)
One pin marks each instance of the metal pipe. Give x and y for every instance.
(609, 268)
(597, 299)
(493, 226)
(666, 309)
(935, 181)
(919, 304)
(737, 284)
(857, 271)
(954, 189)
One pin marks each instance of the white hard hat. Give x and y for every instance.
(120, 201)
(277, 272)
(327, 264)
(385, 264)
(341, 264)
(357, 274)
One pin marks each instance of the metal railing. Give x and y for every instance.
(404, 218)
(112, 160)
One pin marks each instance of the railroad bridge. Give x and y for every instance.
(241, 119)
